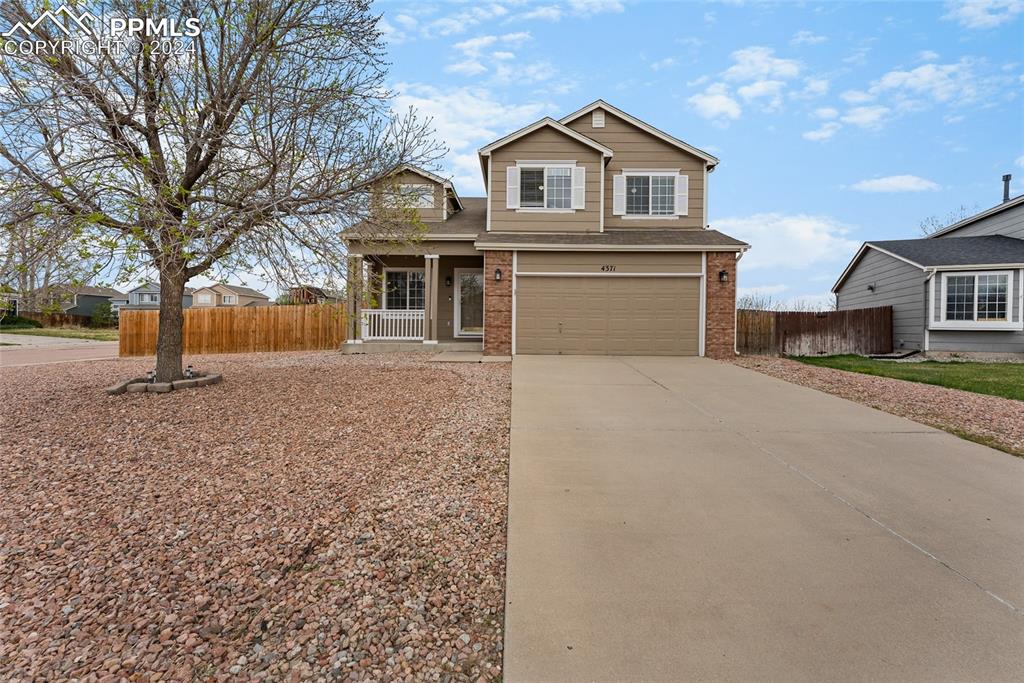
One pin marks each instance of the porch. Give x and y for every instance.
(404, 300)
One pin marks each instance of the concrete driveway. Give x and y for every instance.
(684, 519)
(24, 349)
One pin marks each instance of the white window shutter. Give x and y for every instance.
(619, 195)
(579, 187)
(682, 194)
(512, 187)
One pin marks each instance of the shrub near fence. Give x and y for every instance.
(862, 331)
(240, 330)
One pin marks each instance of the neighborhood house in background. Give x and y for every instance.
(228, 295)
(147, 297)
(592, 239)
(309, 294)
(961, 289)
(80, 300)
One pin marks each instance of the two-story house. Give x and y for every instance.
(592, 239)
(221, 295)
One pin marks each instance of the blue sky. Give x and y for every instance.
(835, 122)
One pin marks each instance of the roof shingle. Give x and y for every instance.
(957, 251)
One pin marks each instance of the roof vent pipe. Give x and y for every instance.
(1006, 187)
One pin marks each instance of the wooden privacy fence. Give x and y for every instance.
(240, 330)
(862, 331)
(58, 319)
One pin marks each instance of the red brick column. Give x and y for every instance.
(498, 304)
(720, 313)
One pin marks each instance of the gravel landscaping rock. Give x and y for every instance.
(318, 517)
(990, 419)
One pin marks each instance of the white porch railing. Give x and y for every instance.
(392, 325)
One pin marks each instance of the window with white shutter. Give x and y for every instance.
(579, 187)
(619, 195)
(512, 187)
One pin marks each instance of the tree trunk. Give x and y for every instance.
(172, 320)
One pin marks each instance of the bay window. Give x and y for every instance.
(976, 300)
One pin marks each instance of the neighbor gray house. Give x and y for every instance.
(959, 289)
(147, 297)
(71, 299)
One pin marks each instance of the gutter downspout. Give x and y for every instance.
(928, 303)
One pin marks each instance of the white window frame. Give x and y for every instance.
(545, 165)
(149, 297)
(423, 192)
(384, 288)
(229, 299)
(205, 298)
(628, 173)
(944, 324)
(458, 303)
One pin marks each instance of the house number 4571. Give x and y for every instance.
(608, 269)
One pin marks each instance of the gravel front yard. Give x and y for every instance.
(992, 420)
(316, 516)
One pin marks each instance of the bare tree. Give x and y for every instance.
(933, 224)
(243, 149)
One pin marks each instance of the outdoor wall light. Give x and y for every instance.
(497, 274)
(871, 288)
(723, 276)
(447, 282)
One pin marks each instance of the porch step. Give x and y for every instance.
(411, 347)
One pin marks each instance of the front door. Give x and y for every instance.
(469, 302)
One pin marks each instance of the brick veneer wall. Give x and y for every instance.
(498, 304)
(720, 321)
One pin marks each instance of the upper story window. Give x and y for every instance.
(410, 196)
(205, 298)
(149, 298)
(651, 195)
(229, 299)
(545, 187)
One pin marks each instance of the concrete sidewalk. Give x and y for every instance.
(683, 519)
(38, 350)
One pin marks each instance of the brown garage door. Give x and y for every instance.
(656, 316)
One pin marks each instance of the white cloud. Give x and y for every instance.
(761, 90)
(465, 119)
(806, 38)
(664, 63)
(1020, 161)
(462, 21)
(407, 22)
(716, 104)
(981, 14)
(588, 7)
(544, 13)
(953, 118)
(523, 74)
(867, 117)
(826, 113)
(710, 18)
(469, 67)
(938, 82)
(392, 35)
(856, 97)
(896, 183)
(474, 46)
(826, 131)
(754, 63)
(503, 56)
(760, 290)
(813, 87)
(927, 55)
(789, 241)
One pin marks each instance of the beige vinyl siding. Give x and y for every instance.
(622, 262)
(635, 148)
(410, 178)
(545, 144)
(214, 298)
(608, 315)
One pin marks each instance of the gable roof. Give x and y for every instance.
(536, 125)
(987, 250)
(711, 160)
(997, 209)
(155, 287)
(242, 291)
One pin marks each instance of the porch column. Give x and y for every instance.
(430, 298)
(354, 306)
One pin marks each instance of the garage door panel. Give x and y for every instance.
(607, 315)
